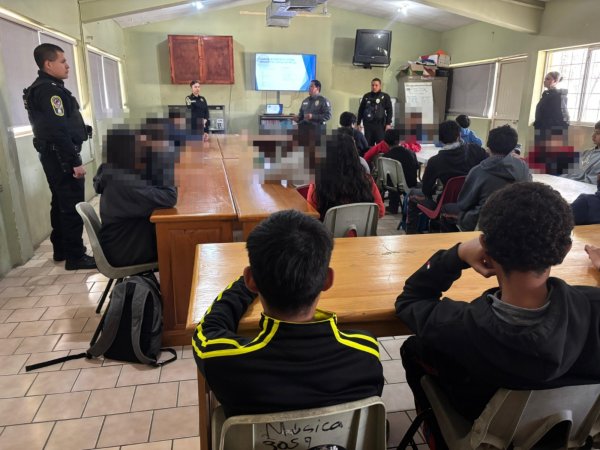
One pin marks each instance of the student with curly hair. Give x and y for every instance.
(340, 178)
(533, 331)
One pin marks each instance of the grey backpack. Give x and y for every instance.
(131, 327)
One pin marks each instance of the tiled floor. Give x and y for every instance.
(47, 312)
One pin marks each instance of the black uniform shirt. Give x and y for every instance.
(199, 107)
(375, 108)
(55, 117)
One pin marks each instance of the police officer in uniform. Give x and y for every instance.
(59, 131)
(315, 108)
(197, 104)
(375, 113)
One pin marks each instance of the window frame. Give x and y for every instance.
(107, 113)
(586, 78)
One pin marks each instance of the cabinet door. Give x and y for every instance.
(186, 58)
(217, 60)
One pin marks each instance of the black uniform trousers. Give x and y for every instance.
(67, 191)
(374, 132)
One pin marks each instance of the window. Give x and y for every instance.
(580, 69)
(106, 85)
(472, 90)
(16, 51)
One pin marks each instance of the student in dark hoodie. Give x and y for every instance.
(136, 179)
(493, 173)
(533, 331)
(453, 160)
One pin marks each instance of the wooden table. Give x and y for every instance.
(212, 202)
(369, 274)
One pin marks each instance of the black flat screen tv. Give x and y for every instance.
(372, 48)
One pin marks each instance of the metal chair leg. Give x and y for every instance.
(104, 295)
(408, 438)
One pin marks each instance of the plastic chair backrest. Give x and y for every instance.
(353, 219)
(392, 170)
(449, 195)
(566, 416)
(92, 226)
(303, 190)
(354, 425)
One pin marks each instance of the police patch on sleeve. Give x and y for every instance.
(57, 105)
(188, 102)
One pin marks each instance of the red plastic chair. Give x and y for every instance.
(303, 190)
(449, 195)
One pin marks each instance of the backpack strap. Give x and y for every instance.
(110, 321)
(56, 361)
(138, 304)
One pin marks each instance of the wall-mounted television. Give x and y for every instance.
(372, 48)
(284, 72)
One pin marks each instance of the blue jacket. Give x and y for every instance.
(469, 137)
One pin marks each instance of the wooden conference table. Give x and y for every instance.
(216, 195)
(369, 274)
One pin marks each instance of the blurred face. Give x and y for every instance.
(196, 89)
(313, 90)
(596, 137)
(375, 86)
(549, 81)
(57, 68)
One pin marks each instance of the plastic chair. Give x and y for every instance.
(352, 220)
(357, 425)
(303, 190)
(391, 178)
(449, 195)
(92, 226)
(550, 419)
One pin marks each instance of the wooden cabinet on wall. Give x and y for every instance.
(208, 59)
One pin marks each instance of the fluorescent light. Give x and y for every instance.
(198, 5)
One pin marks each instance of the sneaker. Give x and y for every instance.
(85, 262)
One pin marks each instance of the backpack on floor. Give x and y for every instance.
(131, 327)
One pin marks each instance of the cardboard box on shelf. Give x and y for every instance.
(442, 60)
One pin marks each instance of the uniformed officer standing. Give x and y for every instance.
(59, 131)
(375, 113)
(315, 108)
(197, 104)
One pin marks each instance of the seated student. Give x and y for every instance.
(392, 138)
(340, 178)
(135, 181)
(300, 359)
(551, 153)
(410, 167)
(348, 122)
(589, 161)
(363, 163)
(586, 207)
(493, 173)
(531, 332)
(466, 135)
(453, 160)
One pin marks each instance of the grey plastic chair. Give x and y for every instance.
(357, 425)
(92, 226)
(561, 418)
(391, 176)
(352, 220)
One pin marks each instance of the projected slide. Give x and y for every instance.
(281, 72)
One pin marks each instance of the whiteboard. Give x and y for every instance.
(419, 98)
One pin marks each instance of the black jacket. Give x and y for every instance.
(199, 107)
(287, 365)
(483, 352)
(450, 163)
(127, 236)
(375, 108)
(483, 180)
(55, 118)
(551, 111)
(408, 159)
(586, 209)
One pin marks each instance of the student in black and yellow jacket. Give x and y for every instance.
(299, 359)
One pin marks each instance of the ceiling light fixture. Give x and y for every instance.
(198, 5)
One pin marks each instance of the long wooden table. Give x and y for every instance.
(216, 195)
(369, 274)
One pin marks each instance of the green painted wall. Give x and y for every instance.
(331, 38)
(564, 23)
